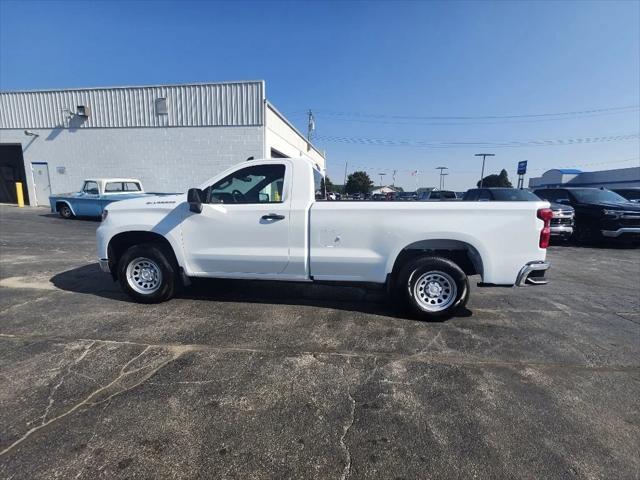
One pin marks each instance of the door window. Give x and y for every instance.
(113, 187)
(256, 184)
(91, 187)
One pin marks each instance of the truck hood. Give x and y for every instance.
(560, 207)
(628, 206)
(148, 201)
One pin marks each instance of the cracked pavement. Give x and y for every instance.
(269, 380)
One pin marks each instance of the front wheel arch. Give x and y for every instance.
(61, 205)
(121, 242)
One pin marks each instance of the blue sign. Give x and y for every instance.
(522, 167)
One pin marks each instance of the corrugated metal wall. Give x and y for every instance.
(217, 104)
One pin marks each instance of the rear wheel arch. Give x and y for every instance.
(465, 255)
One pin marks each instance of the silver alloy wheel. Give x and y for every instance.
(144, 275)
(435, 291)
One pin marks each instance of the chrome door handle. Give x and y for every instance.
(273, 216)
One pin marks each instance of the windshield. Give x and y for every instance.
(513, 195)
(595, 195)
(630, 194)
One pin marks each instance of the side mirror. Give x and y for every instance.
(195, 197)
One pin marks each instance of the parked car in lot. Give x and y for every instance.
(599, 213)
(498, 194)
(439, 195)
(562, 221)
(260, 220)
(632, 194)
(94, 195)
(563, 215)
(406, 196)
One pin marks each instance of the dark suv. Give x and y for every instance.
(599, 213)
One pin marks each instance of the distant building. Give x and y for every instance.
(568, 177)
(172, 137)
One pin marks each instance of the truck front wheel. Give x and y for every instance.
(432, 287)
(65, 211)
(146, 274)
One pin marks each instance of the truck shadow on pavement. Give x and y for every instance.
(89, 280)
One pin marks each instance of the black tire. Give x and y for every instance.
(65, 211)
(155, 257)
(420, 269)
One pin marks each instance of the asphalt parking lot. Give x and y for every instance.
(269, 380)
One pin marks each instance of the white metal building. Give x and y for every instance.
(568, 177)
(171, 137)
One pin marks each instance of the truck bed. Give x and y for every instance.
(356, 241)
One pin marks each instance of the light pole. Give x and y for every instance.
(381, 175)
(442, 175)
(484, 156)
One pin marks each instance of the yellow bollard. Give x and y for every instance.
(19, 194)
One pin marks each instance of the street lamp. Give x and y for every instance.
(381, 175)
(442, 181)
(484, 156)
(442, 175)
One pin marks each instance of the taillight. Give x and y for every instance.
(545, 214)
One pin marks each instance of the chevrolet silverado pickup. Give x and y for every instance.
(261, 220)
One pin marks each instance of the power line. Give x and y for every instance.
(454, 170)
(512, 121)
(477, 117)
(381, 142)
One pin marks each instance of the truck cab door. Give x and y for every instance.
(243, 228)
(88, 202)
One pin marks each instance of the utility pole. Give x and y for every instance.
(311, 126)
(442, 176)
(484, 156)
(345, 175)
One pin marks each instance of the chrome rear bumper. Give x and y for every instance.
(523, 275)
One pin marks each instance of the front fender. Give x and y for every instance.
(158, 219)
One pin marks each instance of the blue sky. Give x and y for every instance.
(375, 73)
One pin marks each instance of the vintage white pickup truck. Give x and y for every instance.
(261, 220)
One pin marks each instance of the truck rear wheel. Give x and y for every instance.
(146, 274)
(432, 287)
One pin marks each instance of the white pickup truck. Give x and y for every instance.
(261, 220)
